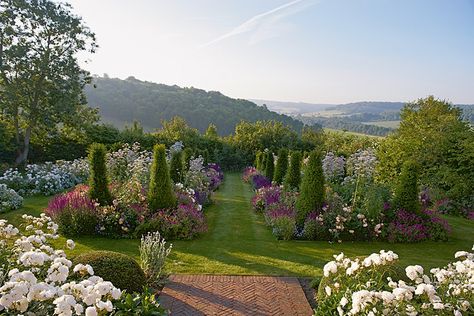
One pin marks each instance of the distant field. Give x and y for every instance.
(331, 130)
(389, 124)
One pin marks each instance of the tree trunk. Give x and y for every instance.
(22, 155)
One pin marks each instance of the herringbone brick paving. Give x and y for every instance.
(234, 295)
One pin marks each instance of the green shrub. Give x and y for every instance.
(269, 166)
(281, 166)
(258, 160)
(160, 193)
(122, 270)
(284, 227)
(98, 183)
(77, 222)
(311, 196)
(176, 167)
(139, 304)
(406, 191)
(293, 176)
(187, 155)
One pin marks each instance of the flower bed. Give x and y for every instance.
(376, 286)
(36, 279)
(130, 214)
(48, 178)
(354, 207)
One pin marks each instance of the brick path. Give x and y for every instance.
(234, 295)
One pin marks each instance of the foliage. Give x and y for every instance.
(259, 156)
(153, 254)
(9, 199)
(139, 304)
(371, 286)
(153, 103)
(38, 60)
(271, 135)
(269, 166)
(433, 134)
(311, 196)
(406, 191)
(123, 271)
(293, 176)
(98, 183)
(187, 156)
(160, 195)
(38, 279)
(281, 166)
(282, 222)
(176, 167)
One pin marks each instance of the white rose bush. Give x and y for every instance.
(376, 286)
(36, 279)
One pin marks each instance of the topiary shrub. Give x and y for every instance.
(98, 183)
(293, 176)
(281, 166)
(406, 191)
(122, 270)
(269, 166)
(176, 167)
(160, 193)
(258, 160)
(311, 196)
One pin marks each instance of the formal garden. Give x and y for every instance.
(97, 219)
(100, 234)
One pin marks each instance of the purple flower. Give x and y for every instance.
(260, 181)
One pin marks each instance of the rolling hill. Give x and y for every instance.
(121, 102)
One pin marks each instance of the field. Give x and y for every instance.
(389, 124)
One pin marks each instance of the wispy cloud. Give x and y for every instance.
(265, 25)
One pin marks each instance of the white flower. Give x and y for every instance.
(70, 244)
(91, 311)
(413, 272)
(330, 267)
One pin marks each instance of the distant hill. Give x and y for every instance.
(368, 117)
(120, 102)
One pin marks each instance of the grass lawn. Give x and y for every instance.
(238, 242)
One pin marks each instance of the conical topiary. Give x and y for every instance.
(98, 184)
(281, 166)
(160, 193)
(258, 160)
(269, 166)
(311, 196)
(406, 191)
(176, 167)
(292, 178)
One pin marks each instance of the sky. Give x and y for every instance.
(316, 51)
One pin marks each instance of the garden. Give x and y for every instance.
(99, 235)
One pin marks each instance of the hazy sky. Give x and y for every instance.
(327, 51)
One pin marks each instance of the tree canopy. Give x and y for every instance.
(40, 78)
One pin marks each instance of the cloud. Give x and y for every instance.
(265, 25)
